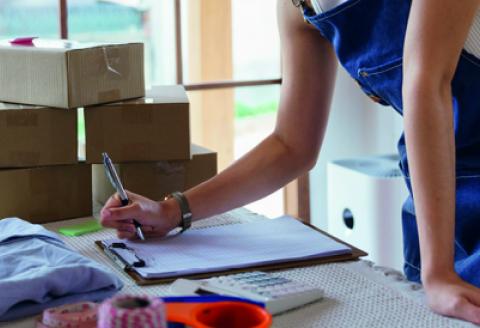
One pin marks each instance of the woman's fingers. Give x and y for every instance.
(121, 234)
(466, 310)
(119, 225)
(132, 196)
(455, 298)
(474, 295)
(147, 212)
(109, 217)
(155, 233)
(113, 201)
(148, 231)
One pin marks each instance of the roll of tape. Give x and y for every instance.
(79, 315)
(127, 311)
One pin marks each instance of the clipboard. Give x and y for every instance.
(288, 264)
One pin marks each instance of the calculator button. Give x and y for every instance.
(263, 283)
(250, 279)
(276, 283)
(268, 281)
(246, 278)
(283, 280)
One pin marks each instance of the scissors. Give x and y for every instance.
(214, 311)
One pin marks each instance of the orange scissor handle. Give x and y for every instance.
(219, 315)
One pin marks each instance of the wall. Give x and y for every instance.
(357, 127)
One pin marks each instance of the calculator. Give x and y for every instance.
(279, 294)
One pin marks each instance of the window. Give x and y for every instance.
(16, 18)
(225, 52)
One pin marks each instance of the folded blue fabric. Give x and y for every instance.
(38, 271)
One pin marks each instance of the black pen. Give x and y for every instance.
(117, 184)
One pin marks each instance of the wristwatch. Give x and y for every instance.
(185, 212)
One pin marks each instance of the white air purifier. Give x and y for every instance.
(365, 198)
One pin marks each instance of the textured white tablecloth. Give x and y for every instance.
(358, 294)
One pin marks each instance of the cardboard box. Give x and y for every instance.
(67, 74)
(155, 180)
(154, 128)
(37, 136)
(46, 194)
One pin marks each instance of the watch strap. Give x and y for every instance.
(185, 212)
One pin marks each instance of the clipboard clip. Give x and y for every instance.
(133, 261)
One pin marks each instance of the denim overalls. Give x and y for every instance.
(368, 37)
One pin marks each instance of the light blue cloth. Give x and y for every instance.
(38, 271)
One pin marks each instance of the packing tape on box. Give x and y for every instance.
(79, 315)
(110, 64)
(113, 61)
(126, 311)
(117, 61)
(106, 62)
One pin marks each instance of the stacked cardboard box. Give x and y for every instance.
(149, 141)
(67, 74)
(40, 177)
(153, 128)
(155, 180)
(148, 137)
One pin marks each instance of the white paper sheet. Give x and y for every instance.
(233, 246)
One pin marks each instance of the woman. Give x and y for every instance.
(407, 54)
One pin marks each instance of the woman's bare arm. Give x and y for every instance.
(436, 32)
(308, 70)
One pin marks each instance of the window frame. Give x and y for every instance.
(296, 195)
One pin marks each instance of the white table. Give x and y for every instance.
(358, 294)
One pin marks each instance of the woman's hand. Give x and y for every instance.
(451, 296)
(435, 36)
(156, 218)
